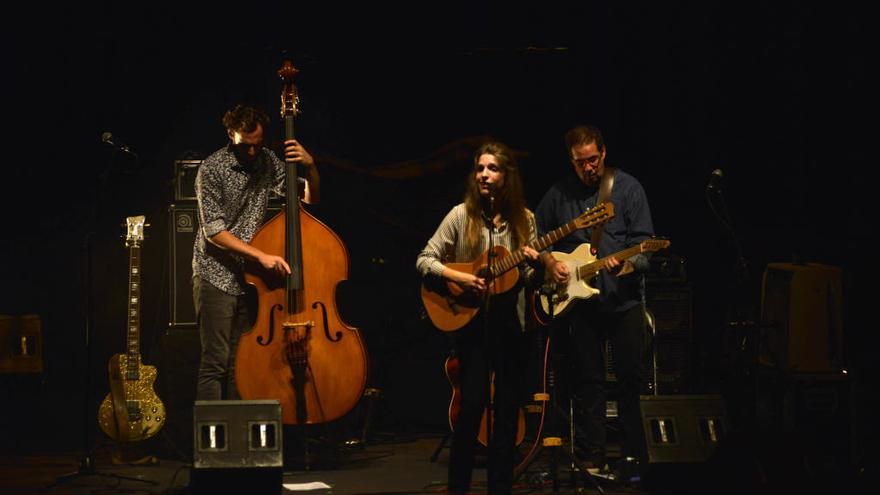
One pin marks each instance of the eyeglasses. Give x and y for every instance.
(580, 162)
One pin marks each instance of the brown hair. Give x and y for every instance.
(510, 196)
(245, 119)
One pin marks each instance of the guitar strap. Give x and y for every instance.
(604, 197)
(117, 393)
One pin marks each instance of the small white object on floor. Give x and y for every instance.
(301, 487)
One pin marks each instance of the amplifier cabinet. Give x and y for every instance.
(672, 307)
(185, 172)
(183, 224)
(185, 179)
(801, 305)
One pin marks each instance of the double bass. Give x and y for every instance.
(299, 350)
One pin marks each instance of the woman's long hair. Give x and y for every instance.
(509, 197)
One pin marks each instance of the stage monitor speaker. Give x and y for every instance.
(183, 225)
(237, 444)
(801, 308)
(683, 428)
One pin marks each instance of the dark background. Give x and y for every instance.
(773, 95)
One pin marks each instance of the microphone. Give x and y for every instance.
(717, 174)
(488, 204)
(107, 137)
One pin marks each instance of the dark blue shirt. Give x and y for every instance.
(570, 197)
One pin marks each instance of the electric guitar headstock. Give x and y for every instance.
(134, 230)
(654, 244)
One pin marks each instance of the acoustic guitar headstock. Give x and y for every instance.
(594, 216)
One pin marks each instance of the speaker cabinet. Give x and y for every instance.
(183, 225)
(818, 409)
(671, 305)
(801, 306)
(185, 172)
(237, 446)
(183, 222)
(668, 359)
(176, 384)
(683, 428)
(185, 179)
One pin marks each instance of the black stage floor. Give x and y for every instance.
(394, 467)
(402, 466)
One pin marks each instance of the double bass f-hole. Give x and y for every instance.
(326, 324)
(272, 311)
(309, 324)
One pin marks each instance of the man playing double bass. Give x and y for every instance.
(232, 189)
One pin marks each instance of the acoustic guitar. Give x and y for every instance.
(583, 267)
(450, 307)
(132, 411)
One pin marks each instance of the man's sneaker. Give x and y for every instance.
(603, 472)
(629, 471)
(592, 459)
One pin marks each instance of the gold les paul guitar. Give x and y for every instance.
(584, 267)
(450, 307)
(132, 411)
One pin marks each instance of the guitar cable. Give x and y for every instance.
(535, 309)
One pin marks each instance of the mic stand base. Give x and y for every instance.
(578, 467)
(555, 444)
(87, 468)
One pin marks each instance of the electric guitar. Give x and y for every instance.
(583, 267)
(451, 368)
(132, 411)
(450, 307)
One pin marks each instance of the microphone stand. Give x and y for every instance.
(87, 461)
(740, 353)
(554, 413)
(741, 267)
(490, 409)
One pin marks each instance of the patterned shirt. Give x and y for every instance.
(449, 245)
(231, 197)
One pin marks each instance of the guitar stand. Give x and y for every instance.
(441, 446)
(87, 461)
(552, 410)
(370, 396)
(87, 468)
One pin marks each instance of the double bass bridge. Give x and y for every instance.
(294, 325)
(297, 334)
